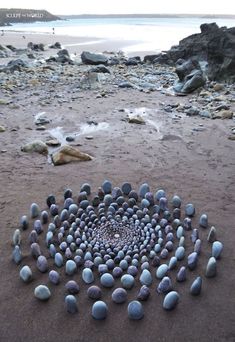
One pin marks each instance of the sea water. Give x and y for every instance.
(146, 34)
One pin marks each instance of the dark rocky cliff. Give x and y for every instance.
(17, 15)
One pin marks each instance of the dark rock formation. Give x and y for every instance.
(93, 58)
(214, 45)
(17, 15)
(36, 47)
(190, 76)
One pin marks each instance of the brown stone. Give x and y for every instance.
(67, 154)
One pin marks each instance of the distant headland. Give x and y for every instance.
(17, 15)
(148, 15)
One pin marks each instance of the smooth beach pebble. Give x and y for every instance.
(176, 201)
(181, 275)
(24, 222)
(190, 210)
(42, 292)
(54, 277)
(71, 304)
(42, 264)
(107, 280)
(146, 278)
(171, 300)
(211, 268)
(72, 287)
(87, 276)
(127, 281)
(196, 286)
(86, 187)
(144, 188)
(162, 271)
(99, 310)
(135, 310)
(165, 285)
(70, 267)
(192, 260)
(107, 187)
(34, 210)
(94, 292)
(203, 221)
(126, 188)
(172, 263)
(35, 250)
(17, 255)
(58, 260)
(26, 274)
(217, 248)
(16, 239)
(143, 293)
(119, 295)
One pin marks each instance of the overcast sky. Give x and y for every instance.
(125, 6)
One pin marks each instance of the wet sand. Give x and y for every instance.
(167, 153)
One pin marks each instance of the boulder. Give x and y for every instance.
(67, 154)
(190, 76)
(35, 146)
(93, 58)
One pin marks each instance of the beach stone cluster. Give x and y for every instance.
(117, 239)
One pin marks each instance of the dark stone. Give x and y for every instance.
(93, 58)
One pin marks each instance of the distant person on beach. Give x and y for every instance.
(53, 30)
(2, 33)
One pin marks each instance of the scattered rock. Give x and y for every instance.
(42, 292)
(135, 310)
(37, 146)
(67, 154)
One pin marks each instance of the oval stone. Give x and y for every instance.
(70, 267)
(127, 281)
(162, 271)
(72, 287)
(42, 264)
(143, 293)
(88, 276)
(217, 248)
(94, 292)
(196, 286)
(119, 295)
(171, 300)
(26, 274)
(146, 278)
(71, 304)
(54, 277)
(135, 310)
(211, 268)
(107, 280)
(99, 310)
(42, 292)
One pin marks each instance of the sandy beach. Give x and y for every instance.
(188, 156)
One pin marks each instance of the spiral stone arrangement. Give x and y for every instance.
(138, 237)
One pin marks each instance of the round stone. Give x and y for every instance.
(42, 292)
(171, 300)
(143, 293)
(126, 188)
(127, 281)
(203, 221)
(72, 287)
(190, 210)
(94, 292)
(162, 271)
(196, 286)
(165, 285)
(42, 264)
(117, 272)
(180, 253)
(107, 280)
(211, 268)
(99, 310)
(34, 210)
(107, 187)
(86, 187)
(217, 248)
(176, 201)
(144, 188)
(26, 274)
(54, 277)
(119, 295)
(58, 259)
(135, 310)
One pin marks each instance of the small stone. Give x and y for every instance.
(54, 277)
(127, 281)
(171, 300)
(172, 263)
(119, 295)
(165, 285)
(196, 286)
(37, 146)
(86, 187)
(159, 194)
(71, 304)
(107, 280)
(181, 275)
(176, 201)
(70, 267)
(42, 264)
(107, 187)
(162, 271)
(135, 310)
(146, 278)
(190, 210)
(117, 272)
(211, 268)
(16, 239)
(17, 255)
(34, 210)
(2, 129)
(26, 274)
(197, 246)
(144, 188)
(88, 276)
(203, 221)
(58, 260)
(194, 235)
(24, 222)
(192, 260)
(99, 310)
(72, 287)
(35, 250)
(42, 292)
(126, 188)
(180, 253)
(212, 235)
(217, 248)
(94, 292)
(143, 293)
